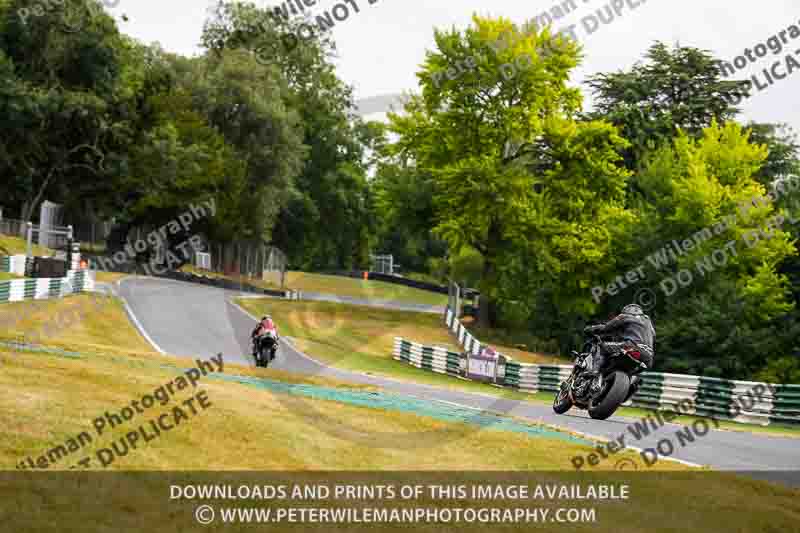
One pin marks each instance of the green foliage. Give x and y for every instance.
(404, 201)
(679, 88)
(702, 192)
(784, 152)
(263, 128)
(501, 149)
(781, 370)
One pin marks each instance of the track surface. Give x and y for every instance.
(198, 321)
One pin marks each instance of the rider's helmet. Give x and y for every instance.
(632, 309)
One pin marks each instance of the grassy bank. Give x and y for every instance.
(359, 337)
(359, 288)
(45, 400)
(342, 286)
(16, 246)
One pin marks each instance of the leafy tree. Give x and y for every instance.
(508, 157)
(323, 218)
(404, 202)
(702, 192)
(784, 152)
(56, 91)
(678, 88)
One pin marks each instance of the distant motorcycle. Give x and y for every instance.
(265, 349)
(602, 395)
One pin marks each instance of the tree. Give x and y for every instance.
(323, 216)
(732, 313)
(56, 88)
(499, 147)
(679, 88)
(406, 214)
(784, 152)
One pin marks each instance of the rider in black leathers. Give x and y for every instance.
(631, 326)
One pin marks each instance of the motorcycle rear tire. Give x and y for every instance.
(615, 394)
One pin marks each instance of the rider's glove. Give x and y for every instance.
(590, 329)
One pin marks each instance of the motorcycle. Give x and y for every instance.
(265, 349)
(601, 396)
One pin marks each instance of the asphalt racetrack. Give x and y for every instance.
(199, 321)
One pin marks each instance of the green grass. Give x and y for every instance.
(93, 248)
(359, 288)
(108, 277)
(520, 342)
(17, 246)
(357, 337)
(6, 276)
(340, 286)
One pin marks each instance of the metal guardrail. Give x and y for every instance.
(725, 399)
(433, 358)
(720, 398)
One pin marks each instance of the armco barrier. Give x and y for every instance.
(465, 338)
(18, 290)
(431, 358)
(739, 401)
(13, 264)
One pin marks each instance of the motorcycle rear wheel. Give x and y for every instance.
(615, 390)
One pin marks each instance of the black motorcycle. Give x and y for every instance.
(602, 395)
(265, 349)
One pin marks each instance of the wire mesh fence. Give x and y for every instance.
(383, 264)
(248, 260)
(93, 234)
(253, 260)
(51, 240)
(13, 228)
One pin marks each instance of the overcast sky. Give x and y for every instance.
(382, 46)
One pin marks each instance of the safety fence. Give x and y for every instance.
(22, 265)
(433, 358)
(465, 338)
(13, 264)
(738, 401)
(18, 290)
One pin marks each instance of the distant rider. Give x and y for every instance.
(265, 327)
(630, 327)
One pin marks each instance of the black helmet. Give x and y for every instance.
(632, 309)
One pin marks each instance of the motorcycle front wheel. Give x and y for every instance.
(562, 402)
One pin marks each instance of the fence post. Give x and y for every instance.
(29, 251)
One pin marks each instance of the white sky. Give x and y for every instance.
(382, 46)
